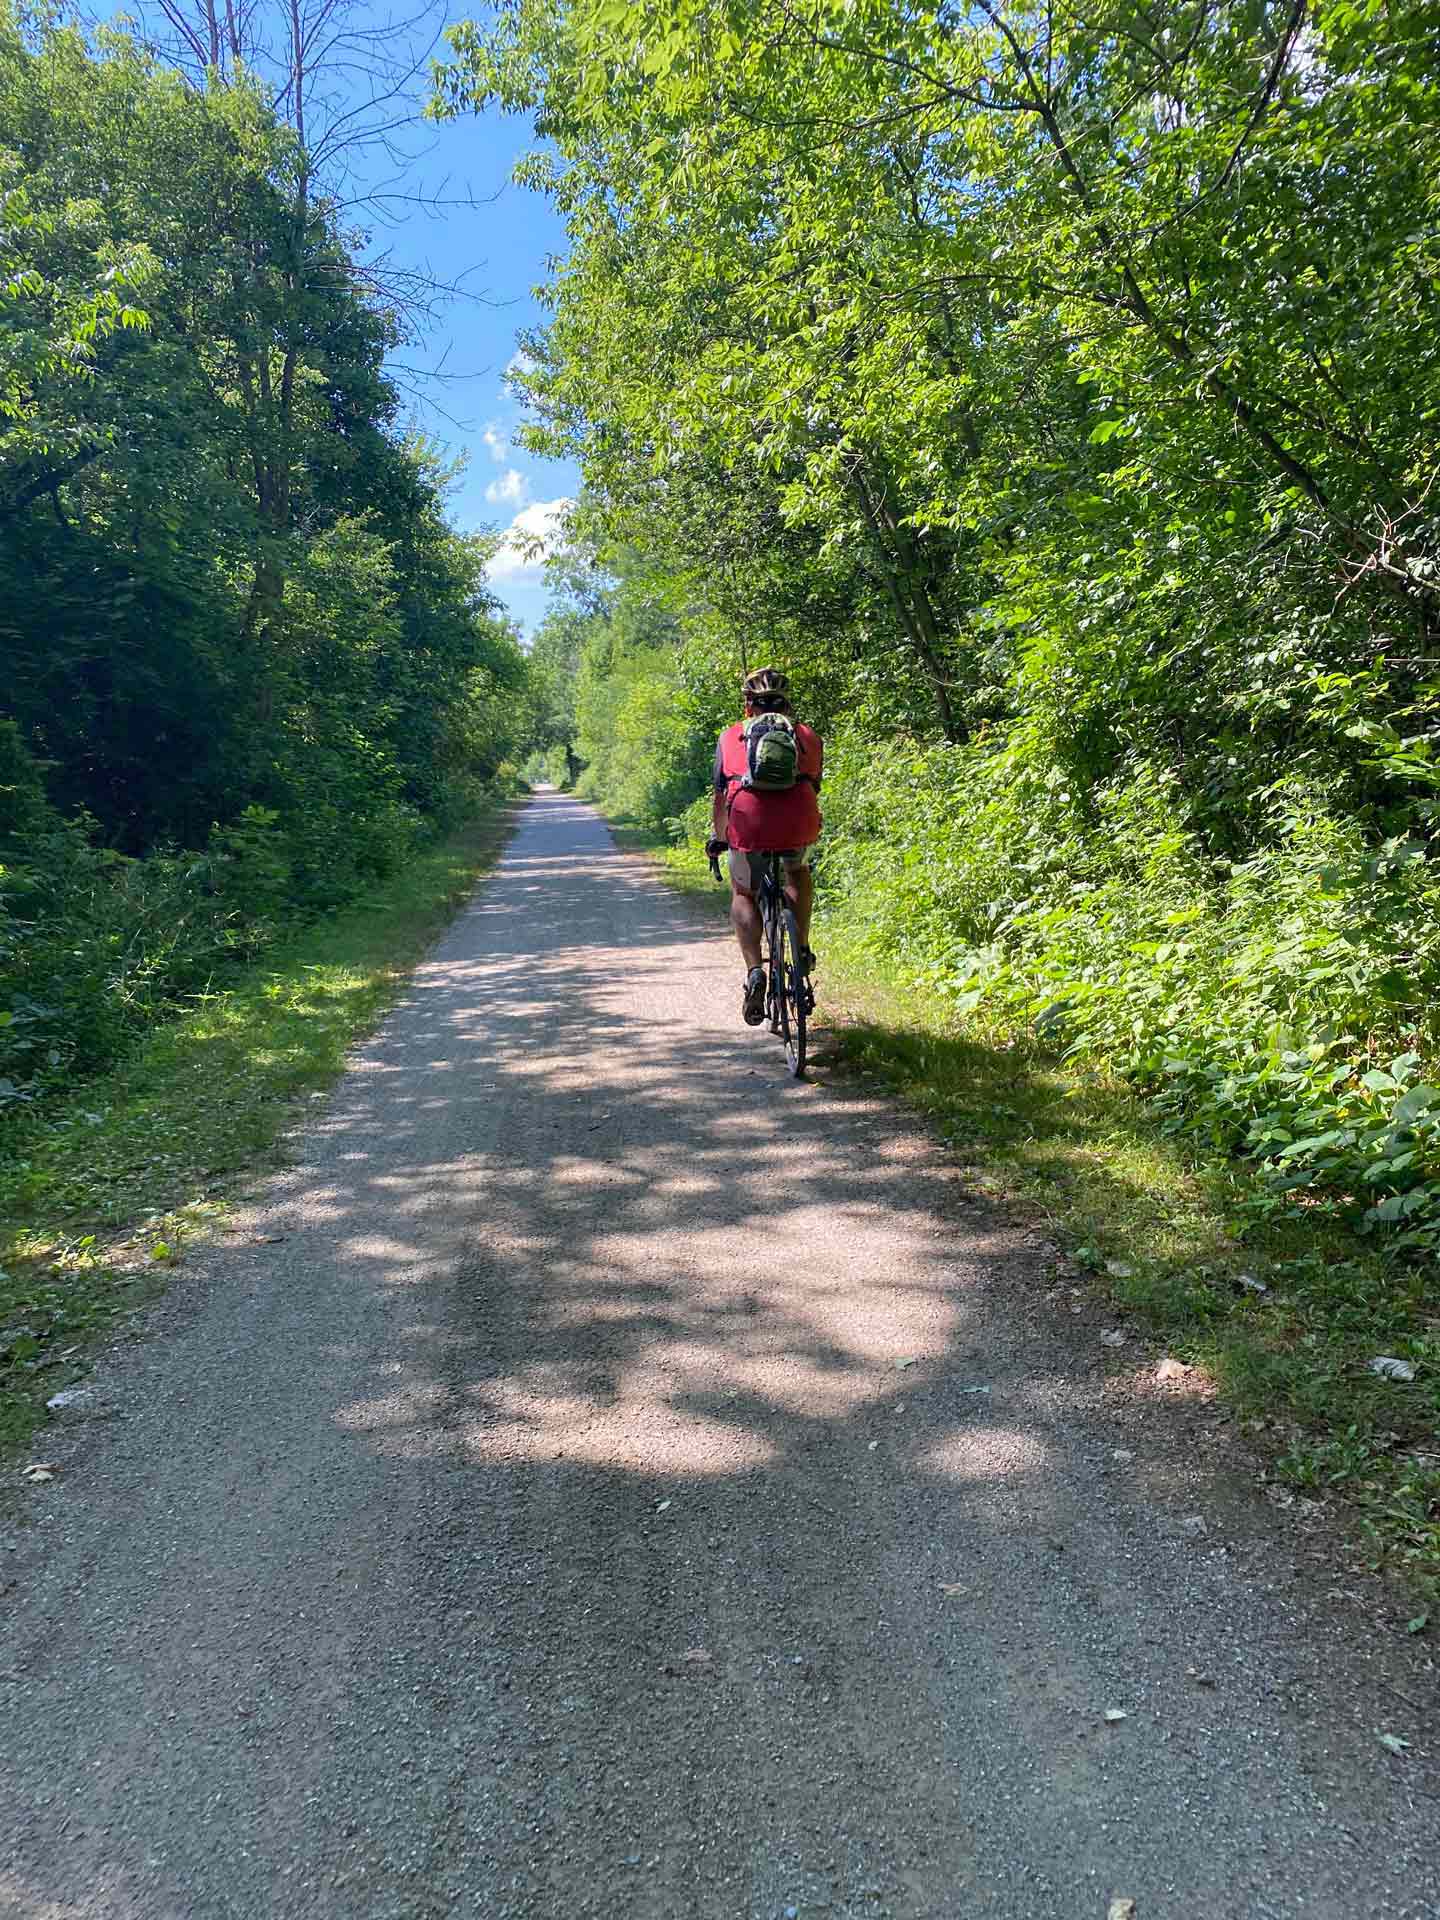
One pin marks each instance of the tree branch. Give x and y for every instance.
(49, 481)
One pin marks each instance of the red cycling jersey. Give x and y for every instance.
(770, 822)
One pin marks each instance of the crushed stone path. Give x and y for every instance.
(638, 1486)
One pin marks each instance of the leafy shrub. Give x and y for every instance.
(1280, 1006)
(252, 863)
(95, 945)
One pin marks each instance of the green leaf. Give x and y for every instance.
(1418, 1100)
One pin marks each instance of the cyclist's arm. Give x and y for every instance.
(720, 812)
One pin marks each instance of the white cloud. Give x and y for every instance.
(520, 362)
(494, 442)
(512, 487)
(534, 532)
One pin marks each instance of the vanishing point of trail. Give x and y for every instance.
(635, 1484)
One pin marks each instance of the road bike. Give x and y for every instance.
(789, 997)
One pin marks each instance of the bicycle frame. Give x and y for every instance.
(788, 998)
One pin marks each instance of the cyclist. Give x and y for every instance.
(751, 818)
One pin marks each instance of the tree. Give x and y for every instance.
(225, 575)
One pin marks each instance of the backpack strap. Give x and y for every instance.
(733, 738)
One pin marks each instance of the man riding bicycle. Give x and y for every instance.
(767, 779)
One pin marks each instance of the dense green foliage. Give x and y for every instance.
(1056, 394)
(247, 662)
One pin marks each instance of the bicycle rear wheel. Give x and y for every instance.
(794, 999)
(774, 973)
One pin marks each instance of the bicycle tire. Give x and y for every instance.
(793, 996)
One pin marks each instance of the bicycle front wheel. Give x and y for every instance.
(794, 998)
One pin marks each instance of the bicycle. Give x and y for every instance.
(789, 997)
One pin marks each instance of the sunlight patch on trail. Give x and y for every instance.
(985, 1453)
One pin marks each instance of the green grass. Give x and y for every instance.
(1172, 1235)
(100, 1194)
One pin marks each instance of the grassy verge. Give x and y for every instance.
(1284, 1310)
(100, 1194)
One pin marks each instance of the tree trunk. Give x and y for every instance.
(897, 554)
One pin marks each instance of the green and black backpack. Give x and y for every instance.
(772, 753)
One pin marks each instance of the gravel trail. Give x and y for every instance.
(638, 1487)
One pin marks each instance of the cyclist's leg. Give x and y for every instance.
(800, 890)
(745, 919)
(744, 910)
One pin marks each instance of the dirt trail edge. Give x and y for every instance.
(637, 1485)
